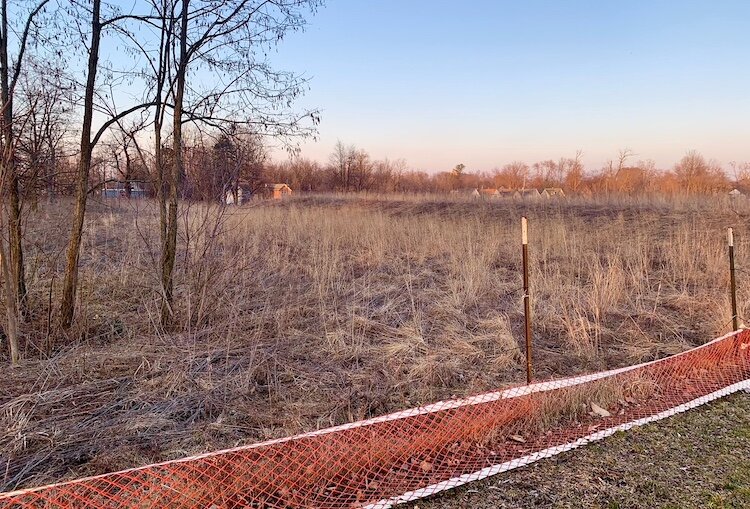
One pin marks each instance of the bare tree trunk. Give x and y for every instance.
(70, 283)
(165, 44)
(18, 273)
(8, 176)
(169, 253)
(159, 161)
(49, 176)
(15, 248)
(11, 309)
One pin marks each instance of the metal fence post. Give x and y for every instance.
(526, 297)
(732, 282)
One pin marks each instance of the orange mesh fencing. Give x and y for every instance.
(380, 462)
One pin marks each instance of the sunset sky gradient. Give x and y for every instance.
(488, 82)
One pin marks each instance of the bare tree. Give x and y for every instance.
(126, 156)
(238, 157)
(696, 175)
(384, 175)
(70, 282)
(574, 173)
(47, 99)
(96, 23)
(457, 176)
(513, 175)
(169, 247)
(11, 259)
(740, 173)
(622, 157)
(226, 38)
(341, 162)
(363, 169)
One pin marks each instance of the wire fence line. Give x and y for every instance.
(384, 461)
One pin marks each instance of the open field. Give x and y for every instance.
(320, 310)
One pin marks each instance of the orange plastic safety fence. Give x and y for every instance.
(383, 461)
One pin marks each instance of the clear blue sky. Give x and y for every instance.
(488, 82)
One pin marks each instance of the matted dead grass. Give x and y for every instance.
(320, 310)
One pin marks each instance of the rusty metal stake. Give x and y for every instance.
(526, 296)
(732, 282)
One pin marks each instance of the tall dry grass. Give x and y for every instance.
(319, 310)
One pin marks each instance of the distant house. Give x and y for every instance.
(123, 190)
(238, 195)
(553, 192)
(529, 194)
(488, 193)
(276, 191)
(735, 193)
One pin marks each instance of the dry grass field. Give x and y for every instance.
(314, 311)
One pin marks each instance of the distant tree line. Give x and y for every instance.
(351, 169)
(214, 163)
